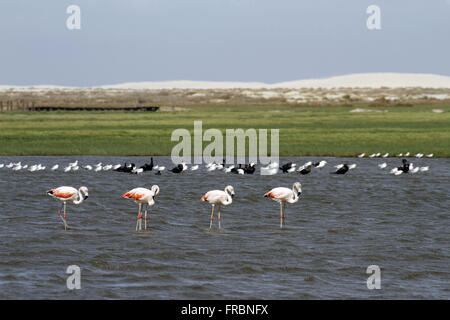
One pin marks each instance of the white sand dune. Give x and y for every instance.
(361, 80)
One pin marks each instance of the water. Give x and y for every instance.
(340, 226)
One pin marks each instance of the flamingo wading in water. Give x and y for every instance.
(142, 196)
(65, 194)
(285, 195)
(220, 198)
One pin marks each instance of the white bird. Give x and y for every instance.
(17, 167)
(382, 165)
(194, 168)
(40, 167)
(67, 169)
(98, 168)
(423, 169)
(414, 170)
(352, 166)
(240, 171)
(73, 164)
(285, 195)
(396, 172)
(87, 167)
(55, 167)
(33, 168)
(419, 155)
(107, 167)
(292, 169)
(227, 170)
(400, 155)
(386, 155)
(10, 165)
(142, 196)
(219, 198)
(339, 166)
(2, 165)
(378, 154)
(321, 164)
(430, 155)
(117, 166)
(268, 171)
(65, 194)
(211, 167)
(407, 154)
(372, 155)
(75, 168)
(361, 155)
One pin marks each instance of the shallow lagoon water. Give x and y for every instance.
(340, 226)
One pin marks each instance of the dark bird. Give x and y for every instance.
(306, 169)
(342, 170)
(405, 166)
(250, 168)
(236, 170)
(148, 166)
(177, 169)
(286, 167)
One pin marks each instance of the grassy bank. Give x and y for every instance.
(333, 131)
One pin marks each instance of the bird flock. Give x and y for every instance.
(146, 198)
(270, 169)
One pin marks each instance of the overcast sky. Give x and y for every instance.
(221, 40)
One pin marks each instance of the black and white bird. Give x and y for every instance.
(287, 167)
(342, 169)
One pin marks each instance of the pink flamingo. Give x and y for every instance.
(220, 198)
(142, 196)
(65, 194)
(285, 195)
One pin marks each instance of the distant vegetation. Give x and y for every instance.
(224, 97)
(304, 130)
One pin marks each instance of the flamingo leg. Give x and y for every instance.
(219, 216)
(281, 215)
(64, 219)
(139, 218)
(145, 218)
(212, 214)
(284, 213)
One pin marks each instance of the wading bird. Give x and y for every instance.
(219, 198)
(65, 194)
(142, 196)
(285, 195)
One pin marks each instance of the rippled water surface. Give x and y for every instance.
(340, 226)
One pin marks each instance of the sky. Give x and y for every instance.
(218, 40)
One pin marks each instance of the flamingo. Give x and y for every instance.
(285, 195)
(65, 194)
(220, 198)
(142, 196)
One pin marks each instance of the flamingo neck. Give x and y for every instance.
(229, 197)
(80, 197)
